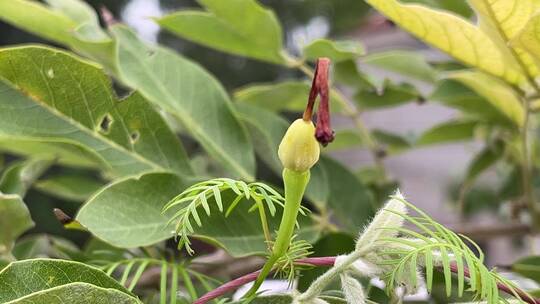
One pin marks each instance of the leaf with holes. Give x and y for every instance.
(14, 220)
(39, 278)
(257, 34)
(50, 94)
(453, 35)
(190, 94)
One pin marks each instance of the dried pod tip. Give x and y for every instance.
(324, 133)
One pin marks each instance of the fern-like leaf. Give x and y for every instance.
(433, 247)
(197, 196)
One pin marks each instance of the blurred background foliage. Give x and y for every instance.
(397, 72)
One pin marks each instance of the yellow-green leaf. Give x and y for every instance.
(453, 35)
(503, 20)
(499, 94)
(529, 37)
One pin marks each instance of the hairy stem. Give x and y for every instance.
(328, 262)
(295, 186)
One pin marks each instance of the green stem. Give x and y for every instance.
(295, 186)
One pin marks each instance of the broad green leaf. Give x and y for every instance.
(317, 190)
(142, 222)
(71, 187)
(483, 161)
(78, 293)
(266, 130)
(500, 95)
(391, 95)
(256, 34)
(528, 267)
(335, 50)
(69, 22)
(127, 213)
(20, 176)
(347, 72)
(191, 94)
(287, 95)
(392, 142)
(347, 196)
(24, 279)
(65, 152)
(456, 95)
(43, 245)
(453, 35)
(52, 94)
(347, 139)
(14, 220)
(503, 20)
(448, 132)
(407, 63)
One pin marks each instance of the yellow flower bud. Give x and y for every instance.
(299, 150)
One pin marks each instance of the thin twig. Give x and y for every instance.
(328, 262)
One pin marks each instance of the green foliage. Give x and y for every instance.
(71, 187)
(19, 176)
(14, 220)
(112, 128)
(335, 50)
(213, 122)
(528, 267)
(407, 63)
(257, 34)
(141, 222)
(191, 200)
(41, 280)
(65, 133)
(281, 96)
(455, 36)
